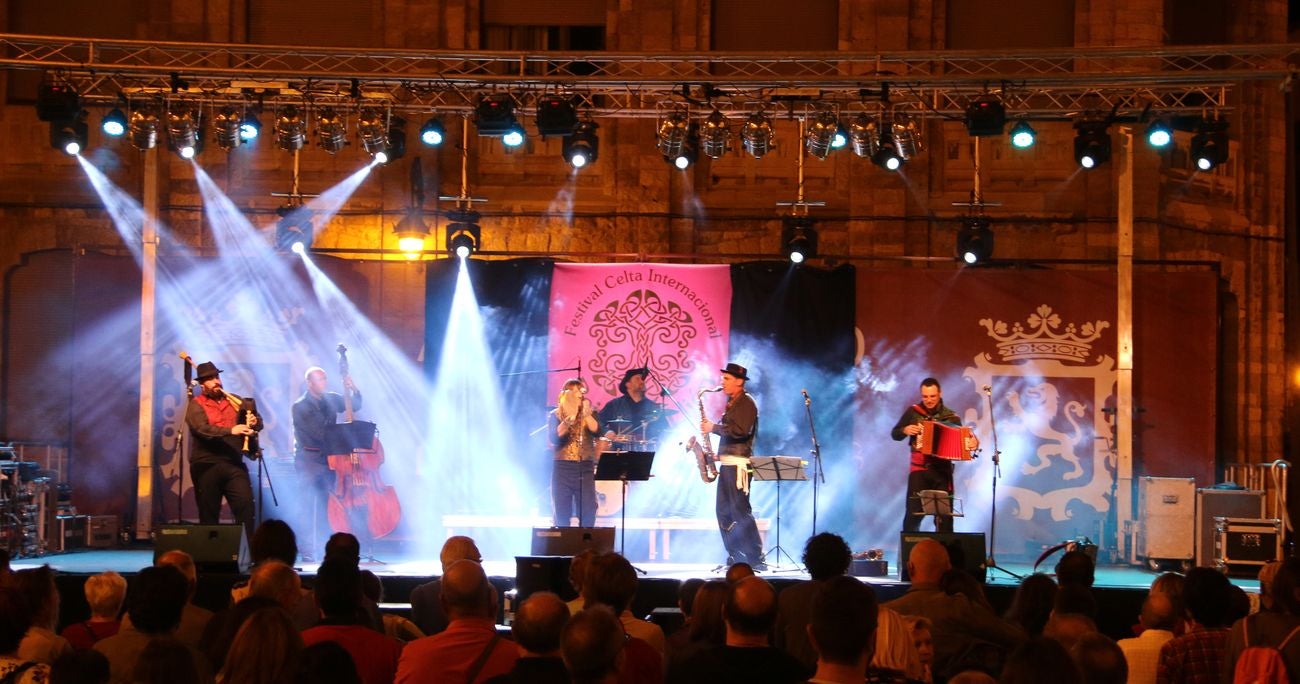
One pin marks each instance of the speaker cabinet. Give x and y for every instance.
(1222, 503)
(966, 550)
(542, 573)
(215, 548)
(571, 541)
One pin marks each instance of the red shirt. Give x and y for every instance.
(220, 412)
(85, 634)
(446, 657)
(375, 654)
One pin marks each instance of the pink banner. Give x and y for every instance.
(673, 319)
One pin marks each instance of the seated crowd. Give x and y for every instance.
(832, 628)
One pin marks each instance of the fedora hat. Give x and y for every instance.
(206, 370)
(736, 370)
(631, 373)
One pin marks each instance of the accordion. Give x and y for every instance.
(943, 441)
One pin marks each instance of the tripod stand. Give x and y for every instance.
(991, 562)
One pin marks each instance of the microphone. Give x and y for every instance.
(806, 400)
(988, 389)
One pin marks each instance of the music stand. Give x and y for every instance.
(625, 466)
(940, 504)
(780, 469)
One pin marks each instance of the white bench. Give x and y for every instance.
(461, 523)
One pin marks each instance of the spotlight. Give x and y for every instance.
(1023, 135)
(298, 248)
(113, 123)
(144, 127)
(974, 240)
(495, 115)
(840, 139)
(250, 127)
(290, 129)
(1159, 134)
(671, 132)
(555, 116)
(798, 238)
(756, 134)
(69, 136)
(688, 151)
(432, 132)
(183, 130)
(396, 147)
(225, 127)
(514, 136)
(1091, 143)
(907, 135)
(581, 148)
(714, 135)
(411, 231)
(463, 233)
(885, 151)
(293, 232)
(331, 130)
(862, 130)
(820, 136)
(57, 101)
(985, 116)
(1209, 147)
(373, 131)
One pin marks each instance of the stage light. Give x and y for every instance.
(396, 147)
(293, 231)
(1023, 135)
(862, 130)
(411, 232)
(1159, 134)
(907, 136)
(756, 134)
(820, 135)
(1209, 146)
(290, 129)
(57, 101)
(225, 127)
(462, 232)
(495, 116)
(331, 130)
(144, 127)
(1091, 143)
(687, 152)
(183, 130)
(985, 116)
(69, 136)
(714, 135)
(582, 148)
(432, 132)
(373, 131)
(671, 132)
(840, 139)
(250, 127)
(298, 248)
(798, 238)
(514, 137)
(555, 116)
(885, 151)
(974, 240)
(113, 123)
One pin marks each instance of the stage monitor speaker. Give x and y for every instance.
(542, 573)
(965, 550)
(214, 548)
(571, 541)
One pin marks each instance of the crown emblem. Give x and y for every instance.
(1041, 337)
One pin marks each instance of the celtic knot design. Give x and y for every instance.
(643, 327)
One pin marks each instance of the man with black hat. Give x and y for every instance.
(736, 431)
(220, 424)
(631, 416)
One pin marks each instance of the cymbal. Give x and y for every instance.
(618, 420)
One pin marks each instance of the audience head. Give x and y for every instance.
(1158, 613)
(1032, 603)
(218, 646)
(39, 591)
(922, 637)
(1100, 660)
(15, 618)
(826, 555)
(1067, 628)
(578, 569)
(458, 548)
(84, 666)
(105, 593)
(276, 581)
(895, 649)
(344, 546)
(327, 662)
(706, 613)
(750, 609)
(466, 592)
(1285, 588)
(1170, 584)
(1207, 597)
(1238, 604)
(338, 590)
(267, 648)
(592, 644)
(166, 661)
(959, 582)
(739, 571)
(1075, 567)
(157, 599)
(686, 594)
(185, 563)
(274, 540)
(539, 622)
(610, 581)
(927, 562)
(972, 677)
(372, 588)
(843, 620)
(1266, 576)
(1075, 598)
(1040, 659)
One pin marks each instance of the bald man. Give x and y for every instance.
(749, 615)
(1142, 652)
(538, 624)
(426, 606)
(959, 624)
(453, 656)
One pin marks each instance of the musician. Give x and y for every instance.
(219, 424)
(736, 431)
(313, 412)
(635, 414)
(927, 472)
(573, 474)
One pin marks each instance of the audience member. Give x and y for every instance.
(1076, 568)
(1100, 661)
(685, 600)
(469, 650)
(343, 546)
(739, 571)
(611, 581)
(1142, 652)
(266, 650)
(14, 621)
(225, 625)
(1076, 599)
(1067, 628)
(895, 650)
(41, 643)
(957, 581)
(749, 615)
(966, 635)
(339, 597)
(1197, 656)
(426, 609)
(923, 640)
(155, 605)
(972, 677)
(825, 556)
(841, 624)
(276, 580)
(1238, 604)
(1039, 660)
(327, 662)
(105, 593)
(537, 629)
(169, 661)
(578, 572)
(80, 666)
(272, 540)
(1275, 627)
(395, 626)
(194, 619)
(1171, 585)
(1032, 603)
(592, 646)
(705, 628)
(1266, 576)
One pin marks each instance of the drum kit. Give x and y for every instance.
(26, 508)
(628, 436)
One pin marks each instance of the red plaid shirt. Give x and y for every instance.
(1193, 658)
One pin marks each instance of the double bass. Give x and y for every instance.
(355, 457)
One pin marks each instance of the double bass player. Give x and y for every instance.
(316, 409)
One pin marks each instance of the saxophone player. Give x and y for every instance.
(573, 475)
(736, 430)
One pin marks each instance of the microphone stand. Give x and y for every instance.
(187, 392)
(991, 562)
(819, 477)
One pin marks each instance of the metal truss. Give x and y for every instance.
(1035, 83)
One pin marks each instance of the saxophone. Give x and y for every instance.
(704, 457)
